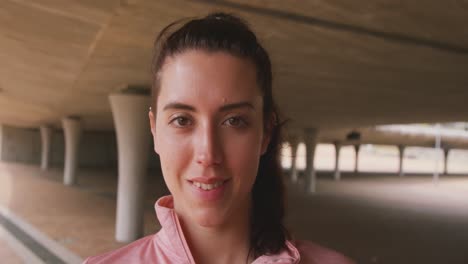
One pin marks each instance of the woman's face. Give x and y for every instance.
(208, 132)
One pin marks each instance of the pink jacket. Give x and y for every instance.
(169, 246)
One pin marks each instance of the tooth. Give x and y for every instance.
(207, 187)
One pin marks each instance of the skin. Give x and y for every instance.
(209, 124)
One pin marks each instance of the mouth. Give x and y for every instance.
(209, 189)
(209, 186)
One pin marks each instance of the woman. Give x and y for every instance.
(217, 132)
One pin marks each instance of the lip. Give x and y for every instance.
(208, 195)
(207, 180)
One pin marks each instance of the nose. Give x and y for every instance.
(209, 149)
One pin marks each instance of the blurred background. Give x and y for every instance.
(375, 151)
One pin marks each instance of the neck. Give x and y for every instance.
(229, 243)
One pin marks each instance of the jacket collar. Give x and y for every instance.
(171, 232)
(172, 235)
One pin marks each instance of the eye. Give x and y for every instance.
(181, 121)
(235, 121)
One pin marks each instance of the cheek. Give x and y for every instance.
(243, 159)
(174, 153)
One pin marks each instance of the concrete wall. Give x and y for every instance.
(97, 148)
(20, 145)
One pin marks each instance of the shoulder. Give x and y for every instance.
(312, 253)
(135, 251)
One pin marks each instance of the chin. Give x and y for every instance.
(209, 218)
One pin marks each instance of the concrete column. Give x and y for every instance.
(446, 153)
(356, 158)
(72, 133)
(294, 142)
(401, 151)
(310, 138)
(437, 146)
(1, 141)
(130, 112)
(46, 138)
(337, 174)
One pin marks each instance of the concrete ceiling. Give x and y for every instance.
(337, 63)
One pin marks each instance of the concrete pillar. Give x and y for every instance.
(356, 158)
(46, 138)
(446, 153)
(294, 143)
(1, 141)
(72, 132)
(401, 151)
(310, 138)
(337, 174)
(437, 146)
(130, 112)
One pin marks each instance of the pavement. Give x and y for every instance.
(7, 253)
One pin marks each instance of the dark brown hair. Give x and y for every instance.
(228, 33)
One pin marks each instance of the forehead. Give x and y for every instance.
(208, 76)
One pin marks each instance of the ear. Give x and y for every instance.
(268, 133)
(152, 121)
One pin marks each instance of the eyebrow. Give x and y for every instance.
(224, 108)
(181, 106)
